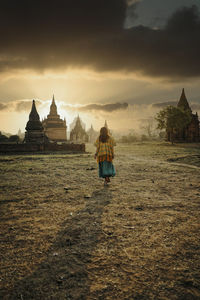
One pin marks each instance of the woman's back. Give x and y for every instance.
(105, 150)
(105, 154)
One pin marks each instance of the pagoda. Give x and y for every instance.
(78, 133)
(54, 127)
(34, 130)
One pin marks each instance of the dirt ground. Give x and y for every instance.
(138, 238)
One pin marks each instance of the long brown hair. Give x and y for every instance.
(103, 137)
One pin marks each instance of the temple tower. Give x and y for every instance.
(183, 103)
(78, 133)
(34, 129)
(54, 127)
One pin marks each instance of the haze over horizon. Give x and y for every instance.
(93, 54)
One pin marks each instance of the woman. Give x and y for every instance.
(105, 154)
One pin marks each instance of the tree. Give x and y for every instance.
(130, 138)
(14, 138)
(173, 119)
(149, 128)
(3, 138)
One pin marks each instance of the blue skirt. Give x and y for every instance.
(106, 169)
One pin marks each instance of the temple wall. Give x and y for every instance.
(56, 133)
(79, 137)
(12, 148)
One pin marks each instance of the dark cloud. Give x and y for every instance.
(131, 13)
(110, 107)
(23, 106)
(19, 105)
(3, 106)
(164, 104)
(104, 107)
(75, 33)
(194, 106)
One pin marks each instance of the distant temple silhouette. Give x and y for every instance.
(192, 132)
(35, 138)
(92, 135)
(78, 133)
(51, 134)
(54, 127)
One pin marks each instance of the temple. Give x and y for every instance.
(78, 133)
(54, 127)
(35, 138)
(34, 130)
(192, 132)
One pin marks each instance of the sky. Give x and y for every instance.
(114, 60)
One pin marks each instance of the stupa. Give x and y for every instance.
(34, 130)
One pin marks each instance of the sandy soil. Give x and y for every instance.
(139, 238)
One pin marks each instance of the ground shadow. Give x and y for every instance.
(63, 274)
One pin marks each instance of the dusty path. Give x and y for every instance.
(136, 239)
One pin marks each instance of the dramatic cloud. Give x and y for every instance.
(25, 106)
(106, 107)
(51, 34)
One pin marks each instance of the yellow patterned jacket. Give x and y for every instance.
(105, 151)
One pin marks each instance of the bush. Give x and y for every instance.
(128, 138)
(144, 138)
(14, 139)
(3, 138)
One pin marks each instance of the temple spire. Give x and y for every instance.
(33, 116)
(53, 108)
(54, 127)
(183, 103)
(78, 121)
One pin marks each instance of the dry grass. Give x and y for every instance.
(136, 239)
